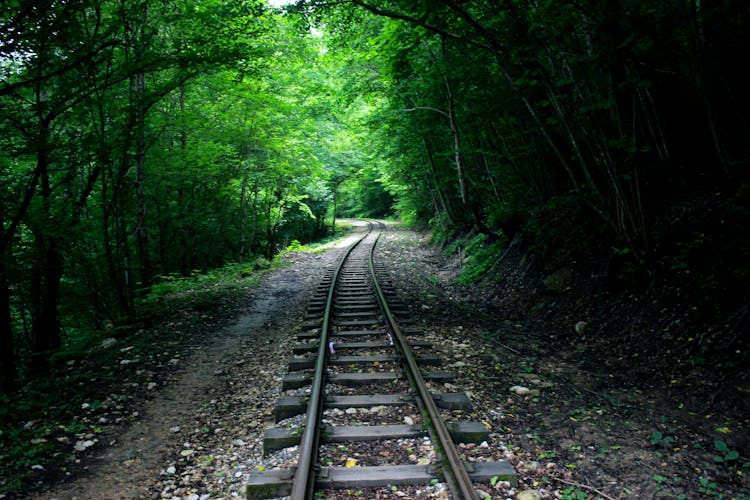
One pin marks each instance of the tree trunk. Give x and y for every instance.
(45, 321)
(7, 354)
(141, 231)
(244, 205)
(433, 171)
(333, 214)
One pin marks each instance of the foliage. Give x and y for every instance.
(480, 257)
(658, 438)
(589, 128)
(153, 143)
(573, 493)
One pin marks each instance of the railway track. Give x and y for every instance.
(361, 377)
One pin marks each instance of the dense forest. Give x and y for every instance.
(143, 140)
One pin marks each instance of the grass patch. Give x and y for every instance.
(480, 256)
(343, 230)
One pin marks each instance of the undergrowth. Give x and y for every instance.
(478, 255)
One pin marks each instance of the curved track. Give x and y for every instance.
(359, 375)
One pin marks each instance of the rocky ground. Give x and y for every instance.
(185, 420)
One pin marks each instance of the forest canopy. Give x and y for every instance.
(151, 138)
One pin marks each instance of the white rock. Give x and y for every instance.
(519, 389)
(82, 445)
(408, 420)
(351, 411)
(176, 428)
(171, 469)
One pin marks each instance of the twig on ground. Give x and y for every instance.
(583, 486)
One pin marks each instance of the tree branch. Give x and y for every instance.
(416, 108)
(419, 22)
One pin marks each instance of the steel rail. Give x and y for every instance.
(458, 477)
(304, 477)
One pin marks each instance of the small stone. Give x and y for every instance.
(529, 495)
(83, 445)
(176, 428)
(171, 469)
(351, 411)
(107, 343)
(483, 494)
(186, 453)
(408, 420)
(151, 386)
(502, 485)
(520, 390)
